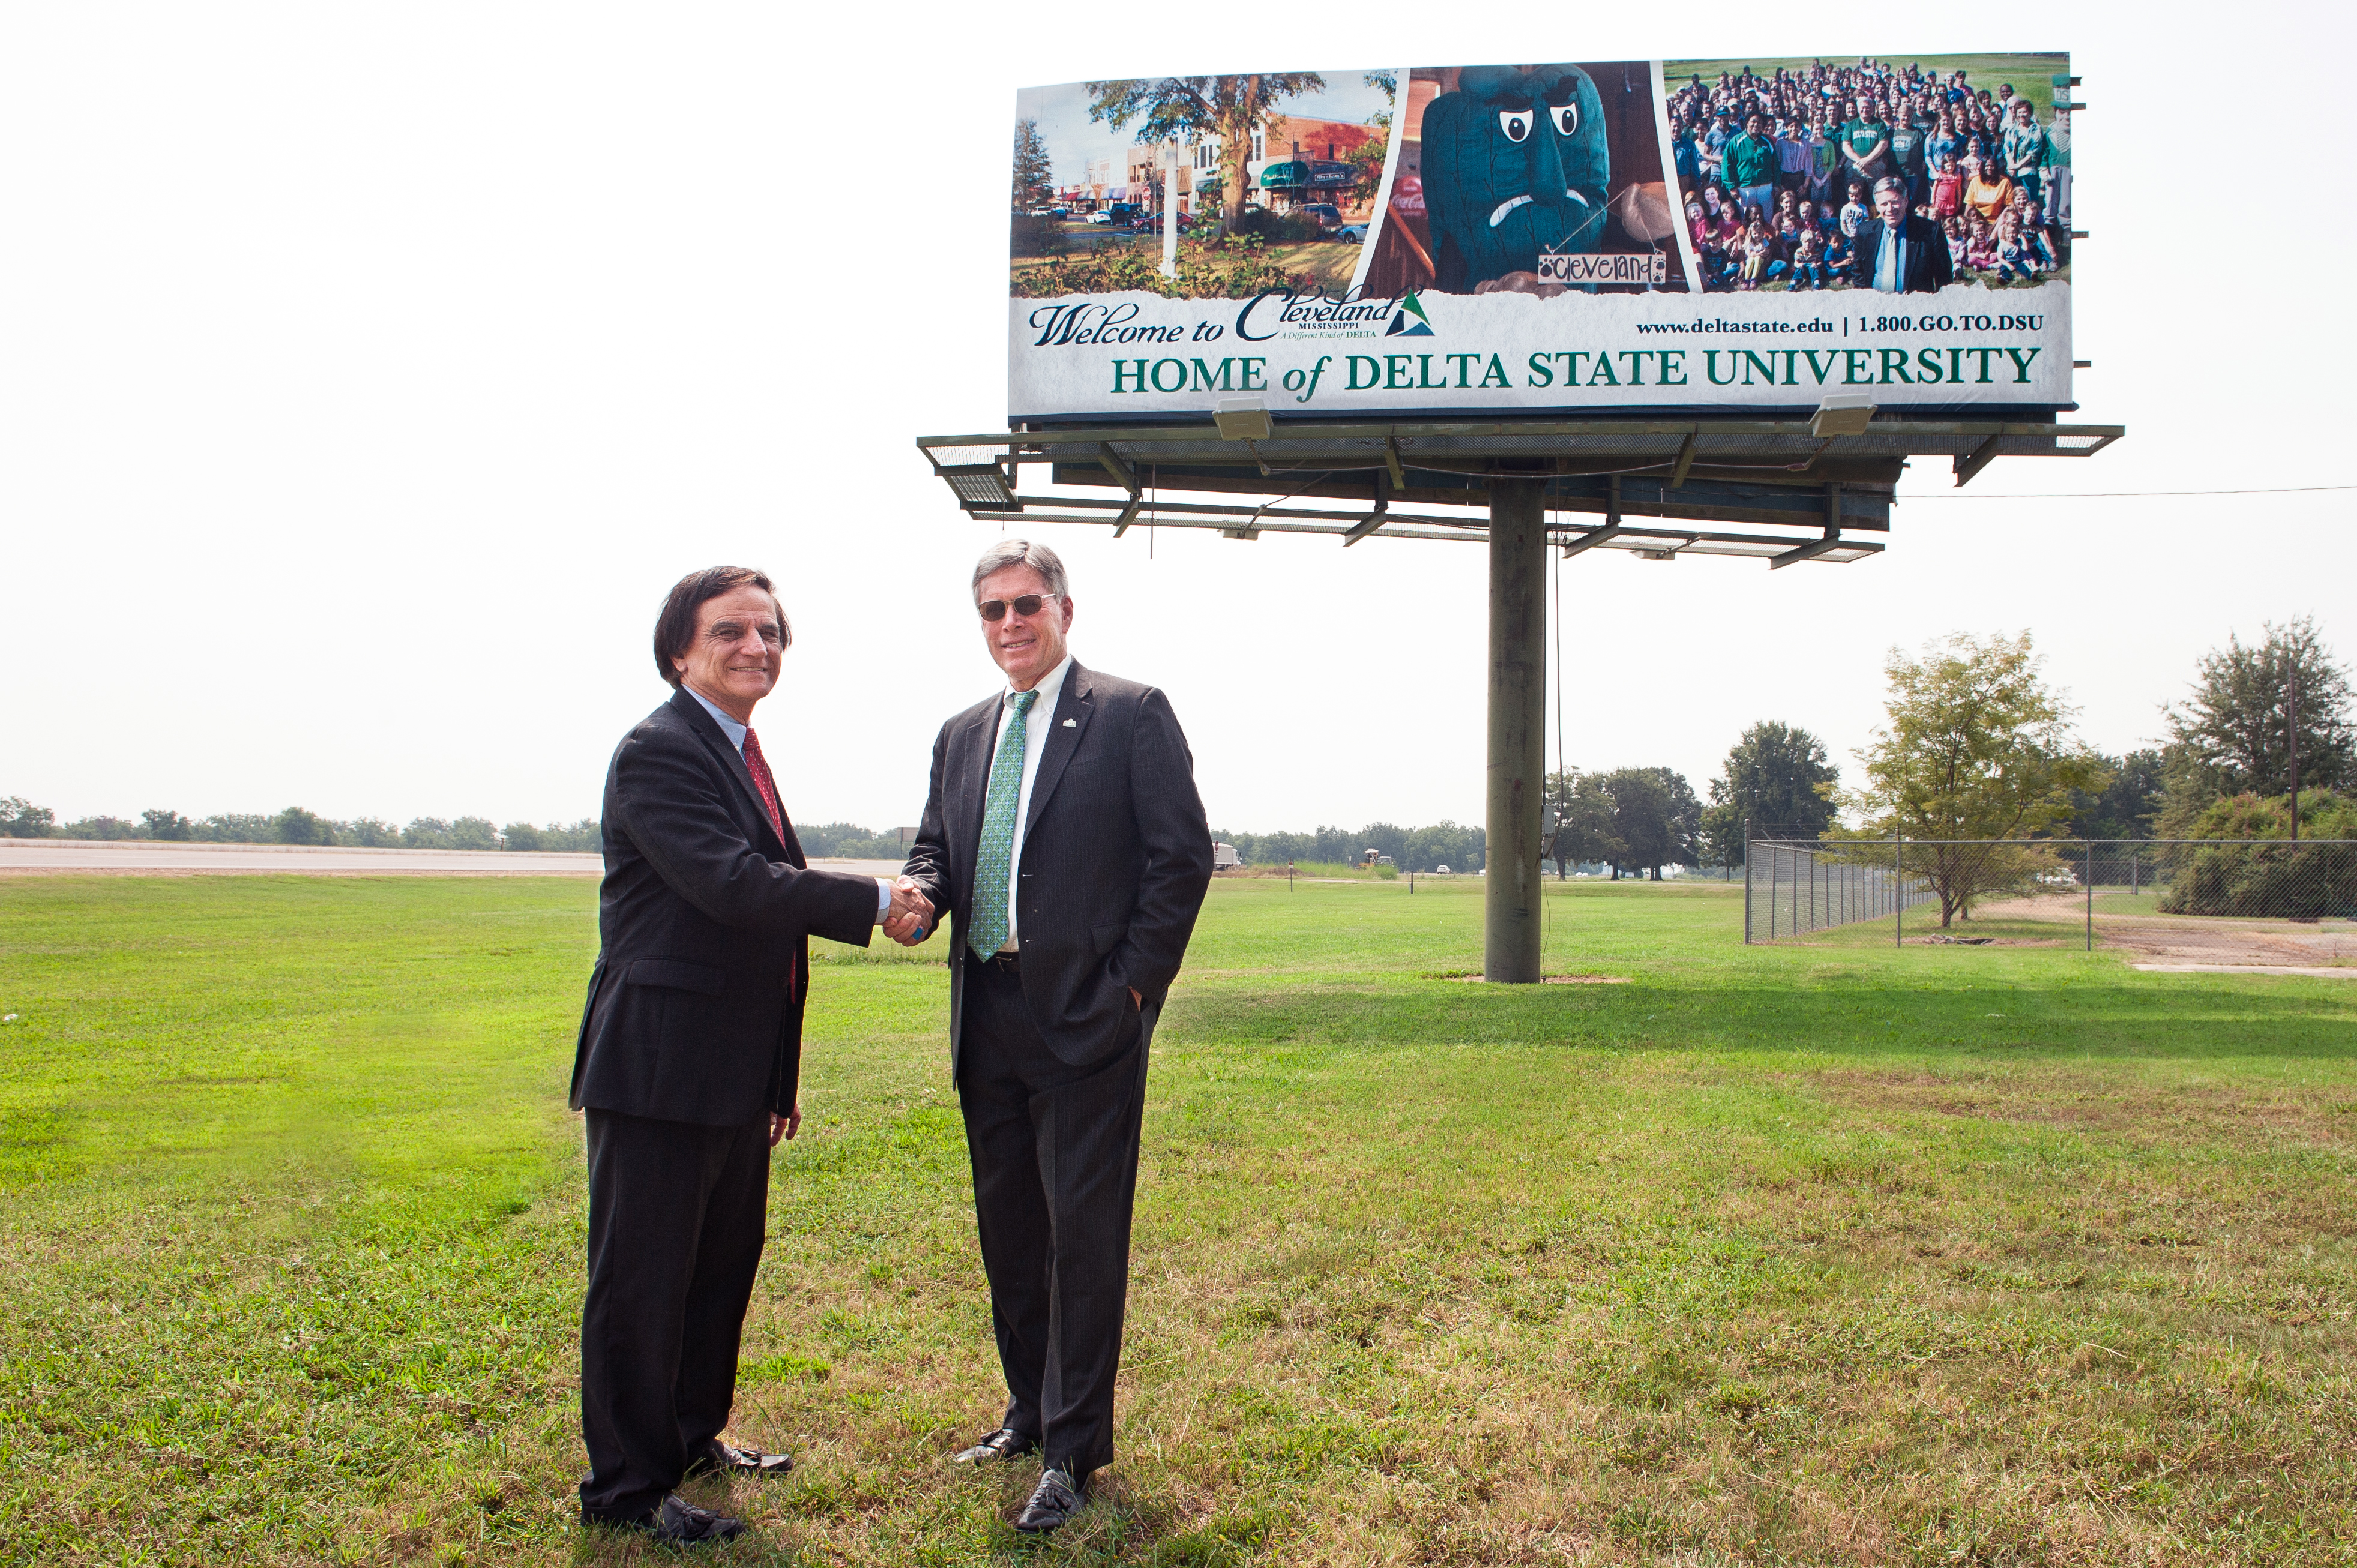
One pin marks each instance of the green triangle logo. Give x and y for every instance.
(1401, 326)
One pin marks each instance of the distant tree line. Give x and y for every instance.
(1443, 843)
(849, 841)
(20, 818)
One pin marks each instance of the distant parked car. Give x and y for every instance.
(1352, 233)
(1037, 212)
(1100, 217)
(1329, 216)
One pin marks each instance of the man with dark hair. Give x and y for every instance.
(1751, 167)
(690, 1054)
(1897, 250)
(1064, 837)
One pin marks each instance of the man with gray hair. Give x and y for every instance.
(1898, 251)
(1064, 839)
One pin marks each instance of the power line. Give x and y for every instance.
(2123, 495)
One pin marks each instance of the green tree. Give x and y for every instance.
(2235, 729)
(2127, 806)
(473, 832)
(1656, 818)
(522, 836)
(1190, 108)
(295, 825)
(104, 828)
(1579, 821)
(1976, 746)
(1776, 778)
(238, 827)
(1368, 157)
(20, 819)
(169, 826)
(1035, 176)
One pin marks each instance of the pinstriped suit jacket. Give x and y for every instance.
(1117, 857)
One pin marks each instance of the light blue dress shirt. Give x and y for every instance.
(736, 734)
(1890, 262)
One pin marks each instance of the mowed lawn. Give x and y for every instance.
(1813, 1256)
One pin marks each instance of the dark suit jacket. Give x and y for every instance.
(1928, 269)
(1117, 857)
(696, 1005)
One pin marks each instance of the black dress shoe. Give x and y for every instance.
(1004, 1444)
(720, 1458)
(678, 1522)
(1057, 1497)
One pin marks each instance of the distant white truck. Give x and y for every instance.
(1224, 857)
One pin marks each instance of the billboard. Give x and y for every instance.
(1558, 239)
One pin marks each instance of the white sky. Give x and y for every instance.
(368, 373)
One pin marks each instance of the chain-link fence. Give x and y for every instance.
(2202, 901)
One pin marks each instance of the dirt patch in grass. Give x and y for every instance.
(2178, 1114)
(1466, 977)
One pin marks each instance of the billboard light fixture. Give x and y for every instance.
(1242, 419)
(1842, 414)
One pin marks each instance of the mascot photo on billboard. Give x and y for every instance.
(1516, 165)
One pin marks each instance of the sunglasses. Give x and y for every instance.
(1028, 605)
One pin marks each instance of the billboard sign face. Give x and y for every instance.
(1560, 239)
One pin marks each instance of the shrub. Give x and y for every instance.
(1040, 236)
(106, 828)
(1231, 268)
(1278, 227)
(2269, 878)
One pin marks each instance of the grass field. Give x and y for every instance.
(1978, 1256)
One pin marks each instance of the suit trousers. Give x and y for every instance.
(677, 1215)
(1054, 1149)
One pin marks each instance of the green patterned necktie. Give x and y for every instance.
(988, 933)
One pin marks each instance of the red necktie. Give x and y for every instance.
(759, 768)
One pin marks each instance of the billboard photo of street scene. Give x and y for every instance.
(1784, 165)
(1270, 181)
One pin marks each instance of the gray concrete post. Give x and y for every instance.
(1517, 770)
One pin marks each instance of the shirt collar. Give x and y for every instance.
(1049, 687)
(728, 727)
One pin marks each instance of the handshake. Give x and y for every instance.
(909, 920)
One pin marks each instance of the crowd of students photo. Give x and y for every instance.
(1820, 178)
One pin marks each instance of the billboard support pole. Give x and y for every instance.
(1517, 720)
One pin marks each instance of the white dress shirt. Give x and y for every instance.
(736, 734)
(1035, 726)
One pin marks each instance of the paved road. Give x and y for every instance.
(140, 855)
(144, 855)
